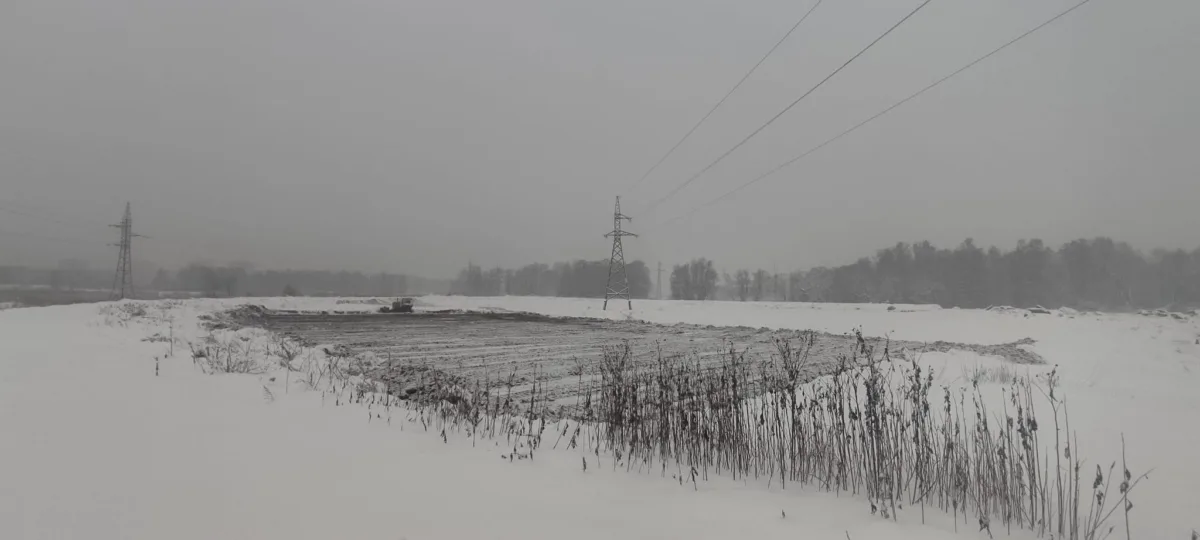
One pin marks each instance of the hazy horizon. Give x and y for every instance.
(415, 137)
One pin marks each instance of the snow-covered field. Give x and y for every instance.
(94, 445)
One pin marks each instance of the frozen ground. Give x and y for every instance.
(557, 353)
(93, 445)
(1122, 373)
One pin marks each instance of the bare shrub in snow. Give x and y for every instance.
(1002, 375)
(123, 313)
(313, 369)
(286, 351)
(875, 428)
(228, 354)
(321, 368)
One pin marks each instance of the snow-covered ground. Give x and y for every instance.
(94, 445)
(1121, 373)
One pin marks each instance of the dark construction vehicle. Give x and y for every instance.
(403, 305)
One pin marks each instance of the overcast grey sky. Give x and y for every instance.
(412, 136)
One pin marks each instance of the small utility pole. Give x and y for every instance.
(658, 283)
(618, 280)
(775, 269)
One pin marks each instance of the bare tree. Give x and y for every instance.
(743, 284)
(759, 283)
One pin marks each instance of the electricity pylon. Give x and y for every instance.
(123, 280)
(618, 280)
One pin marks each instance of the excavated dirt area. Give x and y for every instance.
(560, 354)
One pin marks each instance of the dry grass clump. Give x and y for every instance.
(227, 354)
(1003, 375)
(123, 313)
(875, 428)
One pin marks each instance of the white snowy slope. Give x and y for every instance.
(1121, 373)
(94, 445)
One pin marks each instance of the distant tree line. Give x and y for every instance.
(580, 279)
(1097, 273)
(229, 280)
(243, 281)
(69, 274)
(757, 285)
(1094, 273)
(696, 280)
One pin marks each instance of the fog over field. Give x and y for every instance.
(543, 269)
(414, 137)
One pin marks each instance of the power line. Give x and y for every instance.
(680, 187)
(725, 97)
(876, 115)
(158, 244)
(36, 236)
(85, 224)
(16, 208)
(24, 213)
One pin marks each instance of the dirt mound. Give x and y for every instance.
(238, 317)
(425, 355)
(367, 301)
(1013, 352)
(419, 382)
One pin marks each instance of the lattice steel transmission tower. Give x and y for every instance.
(123, 280)
(618, 279)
